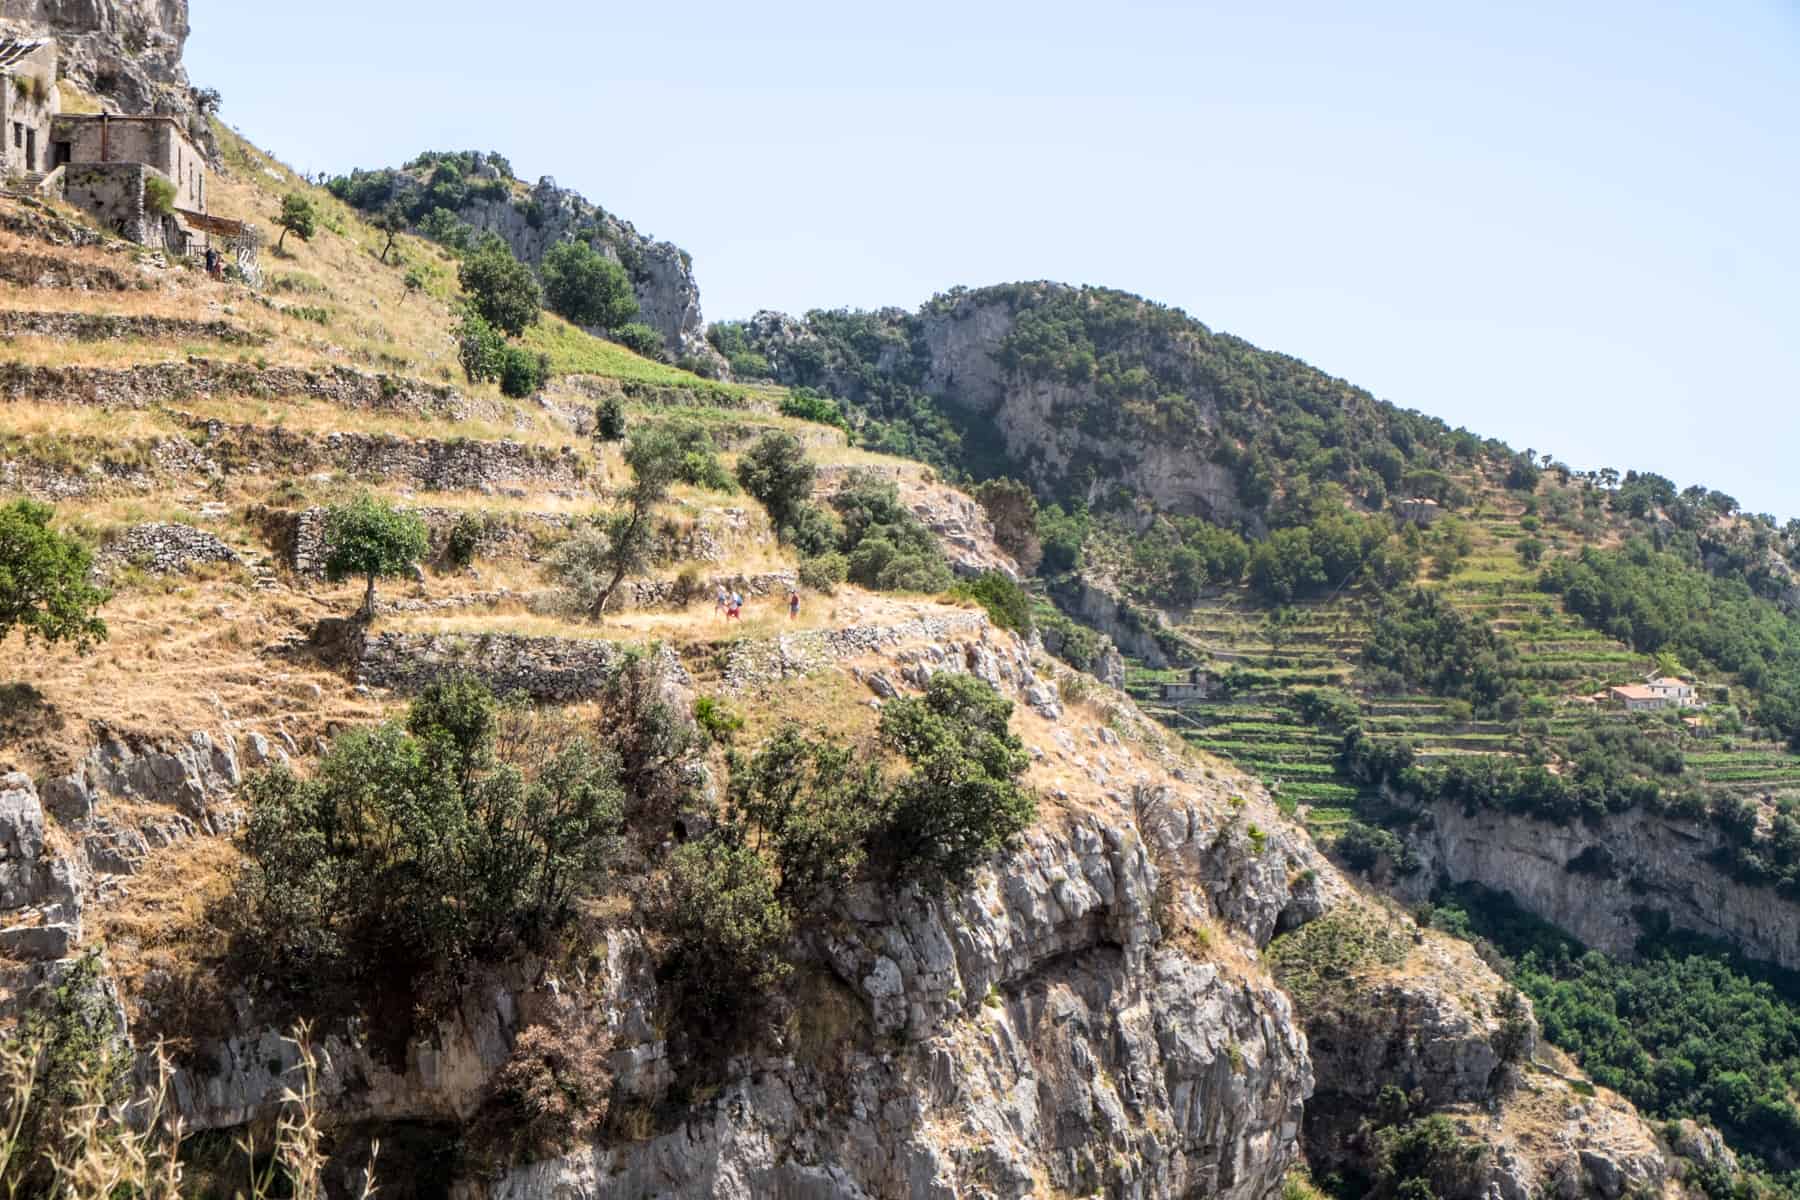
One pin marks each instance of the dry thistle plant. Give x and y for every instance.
(298, 1163)
(111, 1150)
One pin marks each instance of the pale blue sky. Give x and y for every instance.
(1572, 226)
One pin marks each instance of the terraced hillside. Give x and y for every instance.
(196, 435)
(1255, 657)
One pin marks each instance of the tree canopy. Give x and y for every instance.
(371, 538)
(501, 288)
(586, 287)
(44, 587)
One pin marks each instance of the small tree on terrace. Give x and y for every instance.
(593, 563)
(297, 217)
(501, 288)
(775, 470)
(44, 586)
(391, 221)
(587, 287)
(373, 539)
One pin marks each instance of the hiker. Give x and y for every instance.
(212, 262)
(721, 600)
(793, 605)
(735, 612)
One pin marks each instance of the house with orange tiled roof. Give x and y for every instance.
(1638, 697)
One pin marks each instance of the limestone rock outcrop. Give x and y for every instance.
(40, 904)
(128, 52)
(1600, 882)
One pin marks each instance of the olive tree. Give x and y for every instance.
(44, 588)
(297, 217)
(592, 563)
(372, 539)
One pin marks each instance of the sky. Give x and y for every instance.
(1575, 227)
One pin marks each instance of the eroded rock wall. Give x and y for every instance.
(1596, 881)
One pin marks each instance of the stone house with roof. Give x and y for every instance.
(140, 177)
(1659, 692)
(1637, 697)
(112, 165)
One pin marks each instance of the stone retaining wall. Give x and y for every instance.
(299, 537)
(100, 327)
(560, 670)
(162, 548)
(750, 663)
(31, 270)
(459, 465)
(151, 384)
(80, 467)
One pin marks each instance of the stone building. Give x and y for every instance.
(140, 177)
(160, 143)
(29, 101)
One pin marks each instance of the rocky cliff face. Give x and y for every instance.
(952, 352)
(127, 52)
(1032, 418)
(1600, 883)
(1089, 1015)
(662, 274)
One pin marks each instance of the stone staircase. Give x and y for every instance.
(26, 183)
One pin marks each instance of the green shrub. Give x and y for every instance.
(44, 580)
(522, 373)
(1064, 537)
(814, 531)
(463, 540)
(888, 548)
(962, 800)
(748, 364)
(609, 420)
(1006, 603)
(699, 464)
(808, 405)
(726, 926)
(159, 195)
(640, 339)
(480, 348)
(501, 288)
(1078, 645)
(814, 804)
(426, 844)
(1427, 1158)
(586, 287)
(717, 720)
(823, 573)
(775, 471)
